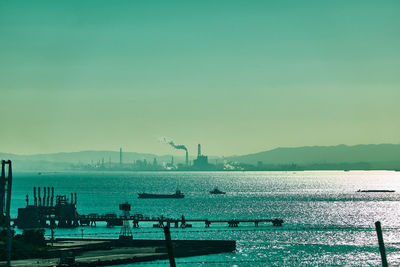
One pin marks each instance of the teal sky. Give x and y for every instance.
(237, 76)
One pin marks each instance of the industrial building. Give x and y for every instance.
(42, 211)
(201, 162)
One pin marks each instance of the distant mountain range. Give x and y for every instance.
(63, 160)
(382, 156)
(385, 156)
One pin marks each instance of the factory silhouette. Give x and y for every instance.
(200, 163)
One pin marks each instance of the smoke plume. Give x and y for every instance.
(172, 143)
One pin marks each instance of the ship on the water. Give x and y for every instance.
(177, 194)
(216, 191)
(375, 191)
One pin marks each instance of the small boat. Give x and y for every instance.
(177, 194)
(375, 191)
(216, 191)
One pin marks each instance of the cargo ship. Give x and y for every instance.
(375, 191)
(177, 194)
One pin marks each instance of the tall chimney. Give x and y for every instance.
(72, 198)
(34, 196)
(27, 200)
(44, 196)
(187, 158)
(48, 196)
(40, 200)
(52, 196)
(198, 150)
(2, 189)
(75, 198)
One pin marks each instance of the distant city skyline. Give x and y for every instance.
(238, 77)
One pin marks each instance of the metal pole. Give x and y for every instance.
(381, 244)
(2, 191)
(8, 205)
(9, 237)
(169, 247)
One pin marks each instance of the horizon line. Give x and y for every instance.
(161, 155)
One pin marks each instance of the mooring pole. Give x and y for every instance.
(169, 246)
(52, 234)
(381, 244)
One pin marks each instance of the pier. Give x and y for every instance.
(42, 213)
(159, 222)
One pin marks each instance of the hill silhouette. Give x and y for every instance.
(376, 156)
(381, 156)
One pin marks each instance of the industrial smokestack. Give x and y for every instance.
(52, 196)
(75, 198)
(72, 198)
(198, 150)
(34, 196)
(48, 196)
(40, 200)
(179, 147)
(44, 196)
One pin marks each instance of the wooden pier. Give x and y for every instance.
(164, 221)
(158, 222)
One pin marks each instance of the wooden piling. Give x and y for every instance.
(169, 247)
(381, 244)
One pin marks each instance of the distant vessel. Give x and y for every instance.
(177, 194)
(216, 191)
(375, 191)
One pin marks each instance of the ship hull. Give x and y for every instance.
(145, 195)
(376, 191)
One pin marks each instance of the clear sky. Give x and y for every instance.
(237, 76)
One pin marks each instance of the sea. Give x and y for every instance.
(326, 221)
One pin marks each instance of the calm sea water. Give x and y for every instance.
(326, 222)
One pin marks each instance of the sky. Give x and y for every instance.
(236, 76)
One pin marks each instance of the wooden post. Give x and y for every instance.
(381, 244)
(52, 235)
(169, 247)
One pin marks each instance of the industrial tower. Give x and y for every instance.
(5, 193)
(5, 201)
(126, 233)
